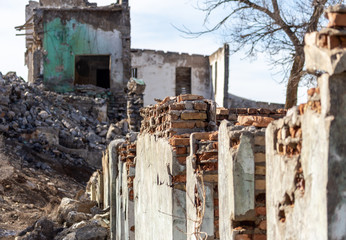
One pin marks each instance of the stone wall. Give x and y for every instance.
(305, 151)
(242, 193)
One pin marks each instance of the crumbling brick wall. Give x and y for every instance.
(304, 150)
(118, 173)
(247, 116)
(242, 171)
(164, 145)
(177, 115)
(202, 186)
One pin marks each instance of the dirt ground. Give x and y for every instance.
(28, 191)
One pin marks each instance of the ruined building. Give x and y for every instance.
(194, 171)
(261, 174)
(76, 43)
(72, 43)
(172, 74)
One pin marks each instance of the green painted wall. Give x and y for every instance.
(63, 40)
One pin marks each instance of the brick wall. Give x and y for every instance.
(259, 117)
(177, 115)
(242, 171)
(202, 186)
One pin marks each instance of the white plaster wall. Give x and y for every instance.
(220, 57)
(307, 218)
(157, 69)
(155, 216)
(108, 43)
(226, 189)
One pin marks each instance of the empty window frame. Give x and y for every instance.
(134, 72)
(182, 80)
(92, 69)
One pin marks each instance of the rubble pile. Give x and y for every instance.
(81, 219)
(135, 95)
(70, 127)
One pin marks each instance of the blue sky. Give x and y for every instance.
(152, 23)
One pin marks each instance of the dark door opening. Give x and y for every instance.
(92, 69)
(182, 80)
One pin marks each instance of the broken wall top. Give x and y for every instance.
(74, 4)
(178, 115)
(325, 50)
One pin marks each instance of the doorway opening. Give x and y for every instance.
(92, 69)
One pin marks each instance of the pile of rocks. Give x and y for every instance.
(66, 126)
(81, 219)
(135, 89)
(177, 115)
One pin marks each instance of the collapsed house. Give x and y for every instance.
(77, 43)
(172, 74)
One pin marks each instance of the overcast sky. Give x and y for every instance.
(152, 27)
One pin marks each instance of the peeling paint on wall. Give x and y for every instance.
(64, 40)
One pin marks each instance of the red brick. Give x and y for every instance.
(180, 150)
(183, 124)
(200, 106)
(201, 135)
(208, 155)
(222, 111)
(260, 184)
(213, 136)
(336, 19)
(182, 160)
(260, 211)
(263, 225)
(179, 141)
(311, 91)
(243, 237)
(201, 124)
(260, 237)
(216, 202)
(189, 97)
(252, 111)
(177, 106)
(173, 115)
(131, 195)
(209, 167)
(216, 145)
(186, 115)
(264, 111)
(179, 179)
(301, 108)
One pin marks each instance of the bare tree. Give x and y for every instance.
(276, 27)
